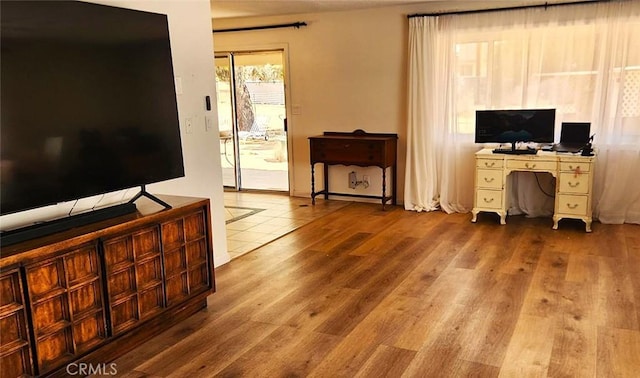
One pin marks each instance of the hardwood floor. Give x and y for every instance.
(363, 292)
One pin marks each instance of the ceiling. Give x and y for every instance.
(253, 8)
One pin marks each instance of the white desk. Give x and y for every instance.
(574, 182)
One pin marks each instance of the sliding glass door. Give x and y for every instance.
(252, 118)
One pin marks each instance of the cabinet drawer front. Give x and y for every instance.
(575, 166)
(348, 151)
(489, 163)
(489, 199)
(532, 165)
(570, 183)
(574, 205)
(489, 178)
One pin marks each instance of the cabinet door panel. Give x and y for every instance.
(55, 349)
(177, 289)
(49, 313)
(90, 331)
(198, 278)
(81, 265)
(85, 298)
(172, 234)
(16, 364)
(15, 343)
(10, 290)
(196, 252)
(174, 262)
(12, 328)
(146, 242)
(45, 278)
(117, 251)
(149, 272)
(124, 314)
(194, 226)
(122, 283)
(151, 301)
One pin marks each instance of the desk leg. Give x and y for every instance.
(313, 184)
(587, 222)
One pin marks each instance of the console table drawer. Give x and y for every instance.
(572, 183)
(489, 163)
(489, 178)
(575, 166)
(489, 199)
(532, 165)
(348, 151)
(574, 205)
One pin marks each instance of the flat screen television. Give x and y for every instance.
(88, 102)
(512, 126)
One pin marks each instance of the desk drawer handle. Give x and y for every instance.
(572, 168)
(488, 180)
(572, 207)
(574, 185)
(533, 166)
(488, 200)
(486, 164)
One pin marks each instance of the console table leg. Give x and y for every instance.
(555, 222)
(384, 185)
(313, 181)
(588, 224)
(503, 217)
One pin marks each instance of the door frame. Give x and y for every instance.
(284, 48)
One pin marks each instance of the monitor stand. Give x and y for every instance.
(514, 151)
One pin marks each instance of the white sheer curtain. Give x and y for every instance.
(583, 60)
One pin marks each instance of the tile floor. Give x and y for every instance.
(255, 219)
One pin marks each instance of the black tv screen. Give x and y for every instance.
(88, 102)
(510, 126)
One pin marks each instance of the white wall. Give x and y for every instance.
(346, 72)
(191, 41)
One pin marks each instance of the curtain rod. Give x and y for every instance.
(296, 25)
(545, 6)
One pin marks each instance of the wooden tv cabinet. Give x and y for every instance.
(91, 294)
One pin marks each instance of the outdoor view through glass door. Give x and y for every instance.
(252, 120)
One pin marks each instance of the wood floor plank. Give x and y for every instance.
(616, 305)
(386, 361)
(618, 352)
(543, 296)
(576, 332)
(529, 351)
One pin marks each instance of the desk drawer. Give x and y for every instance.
(489, 178)
(572, 183)
(532, 165)
(489, 163)
(573, 166)
(573, 205)
(348, 151)
(491, 199)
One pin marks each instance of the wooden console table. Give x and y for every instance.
(357, 148)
